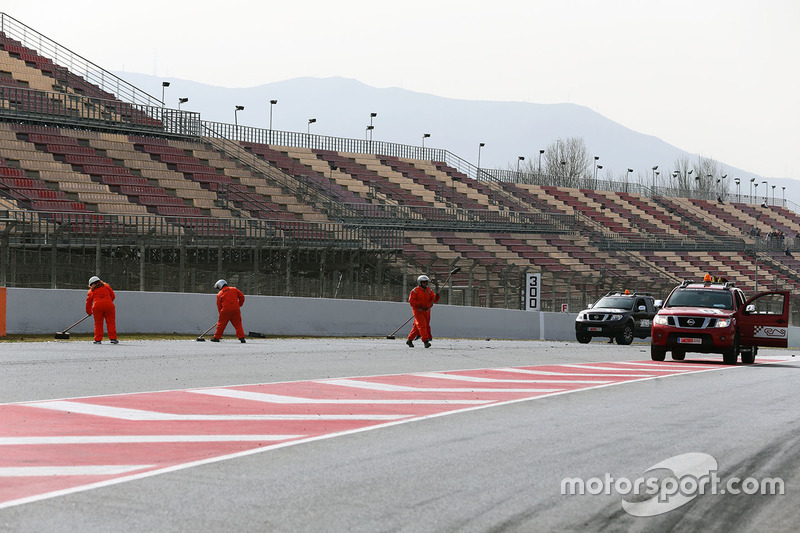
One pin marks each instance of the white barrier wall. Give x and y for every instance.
(43, 311)
(46, 311)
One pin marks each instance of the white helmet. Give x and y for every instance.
(221, 283)
(422, 278)
(93, 279)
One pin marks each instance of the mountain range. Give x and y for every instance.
(342, 107)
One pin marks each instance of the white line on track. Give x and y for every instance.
(277, 398)
(579, 374)
(135, 439)
(136, 414)
(680, 366)
(650, 369)
(90, 470)
(459, 377)
(397, 388)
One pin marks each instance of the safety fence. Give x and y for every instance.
(69, 65)
(68, 108)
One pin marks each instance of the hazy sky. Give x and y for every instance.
(720, 78)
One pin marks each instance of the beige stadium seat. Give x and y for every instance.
(102, 198)
(82, 187)
(122, 209)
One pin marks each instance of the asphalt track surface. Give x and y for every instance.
(495, 467)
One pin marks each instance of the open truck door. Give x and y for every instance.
(764, 320)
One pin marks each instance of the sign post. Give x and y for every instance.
(533, 290)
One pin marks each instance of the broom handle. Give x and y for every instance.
(450, 275)
(401, 327)
(76, 323)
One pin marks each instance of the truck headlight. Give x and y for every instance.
(616, 317)
(580, 318)
(660, 320)
(723, 323)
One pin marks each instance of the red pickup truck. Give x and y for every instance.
(716, 317)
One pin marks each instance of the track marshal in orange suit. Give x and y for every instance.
(421, 300)
(100, 304)
(229, 303)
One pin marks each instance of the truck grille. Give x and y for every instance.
(693, 322)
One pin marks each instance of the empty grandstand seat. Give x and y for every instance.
(12, 172)
(177, 211)
(42, 138)
(57, 205)
(139, 190)
(160, 200)
(123, 180)
(105, 170)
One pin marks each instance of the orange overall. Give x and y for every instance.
(100, 303)
(421, 300)
(229, 301)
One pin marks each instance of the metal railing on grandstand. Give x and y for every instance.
(72, 63)
(36, 227)
(87, 111)
(322, 142)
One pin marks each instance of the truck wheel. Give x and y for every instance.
(583, 338)
(678, 355)
(748, 356)
(730, 355)
(625, 337)
(657, 353)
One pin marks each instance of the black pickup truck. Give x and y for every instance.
(622, 316)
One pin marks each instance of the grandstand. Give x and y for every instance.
(96, 176)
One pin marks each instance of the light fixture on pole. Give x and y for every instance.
(271, 103)
(181, 101)
(737, 181)
(310, 122)
(766, 190)
(783, 196)
(164, 85)
(480, 147)
(654, 174)
(371, 116)
(773, 195)
(540, 161)
(596, 168)
(236, 116)
(519, 158)
(596, 158)
(368, 133)
(751, 189)
(424, 136)
(628, 175)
